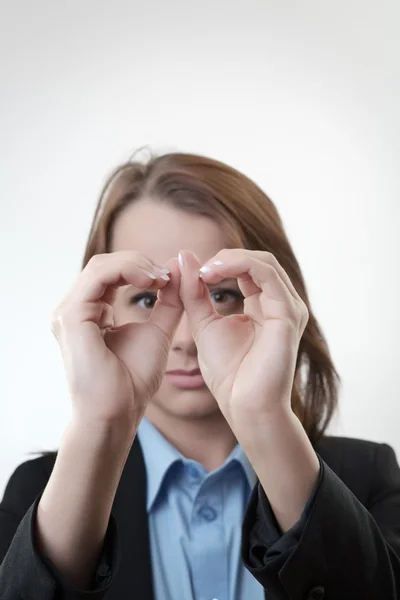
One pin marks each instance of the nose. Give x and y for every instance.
(183, 339)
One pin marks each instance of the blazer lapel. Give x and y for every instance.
(129, 509)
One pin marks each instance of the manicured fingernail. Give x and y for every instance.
(180, 259)
(161, 272)
(150, 274)
(161, 268)
(205, 269)
(208, 268)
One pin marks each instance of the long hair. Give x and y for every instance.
(208, 187)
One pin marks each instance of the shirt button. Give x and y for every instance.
(192, 472)
(208, 513)
(193, 476)
(104, 570)
(317, 593)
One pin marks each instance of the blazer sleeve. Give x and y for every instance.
(341, 548)
(24, 572)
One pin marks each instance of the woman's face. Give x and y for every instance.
(159, 231)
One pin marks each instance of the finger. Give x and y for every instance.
(107, 315)
(114, 270)
(266, 295)
(71, 315)
(255, 271)
(269, 258)
(168, 309)
(194, 293)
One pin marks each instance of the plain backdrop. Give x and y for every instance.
(303, 97)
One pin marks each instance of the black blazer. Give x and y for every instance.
(347, 546)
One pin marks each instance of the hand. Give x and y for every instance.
(247, 360)
(112, 371)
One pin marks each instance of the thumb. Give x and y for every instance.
(167, 311)
(194, 293)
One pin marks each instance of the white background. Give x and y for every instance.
(302, 96)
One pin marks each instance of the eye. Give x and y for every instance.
(227, 300)
(146, 301)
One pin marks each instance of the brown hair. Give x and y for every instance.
(208, 187)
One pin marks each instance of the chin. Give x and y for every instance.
(185, 404)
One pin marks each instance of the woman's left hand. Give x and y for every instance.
(247, 360)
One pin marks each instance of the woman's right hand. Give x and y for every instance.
(112, 372)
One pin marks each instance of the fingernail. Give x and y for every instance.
(161, 272)
(165, 270)
(208, 268)
(150, 274)
(205, 269)
(180, 259)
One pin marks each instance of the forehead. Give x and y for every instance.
(159, 231)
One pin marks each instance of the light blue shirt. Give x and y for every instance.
(195, 522)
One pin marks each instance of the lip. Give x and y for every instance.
(185, 372)
(186, 380)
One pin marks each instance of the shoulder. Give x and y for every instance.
(27, 481)
(362, 464)
(352, 450)
(339, 445)
(41, 465)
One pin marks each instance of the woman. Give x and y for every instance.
(195, 465)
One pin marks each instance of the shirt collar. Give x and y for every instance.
(159, 456)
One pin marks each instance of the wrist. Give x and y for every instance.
(284, 460)
(116, 434)
(249, 424)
